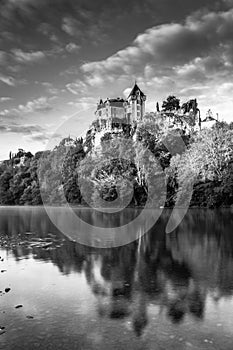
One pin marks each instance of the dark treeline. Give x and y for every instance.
(77, 172)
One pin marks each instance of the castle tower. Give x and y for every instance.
(136, 100)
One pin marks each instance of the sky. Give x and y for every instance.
(59, 57)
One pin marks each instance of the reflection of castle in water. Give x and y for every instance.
(169, 272)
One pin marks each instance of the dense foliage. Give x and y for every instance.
(209, 161)
(77, 173)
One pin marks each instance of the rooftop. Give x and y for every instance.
(134, 91)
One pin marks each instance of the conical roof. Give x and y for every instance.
(134, 91)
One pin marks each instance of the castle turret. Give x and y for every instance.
(136, 100)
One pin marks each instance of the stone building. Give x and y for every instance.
(209, 120)
(122, 110)
(117, 115)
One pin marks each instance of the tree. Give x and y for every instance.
(206, 162)
(6, 195)
(190, 105)
(171, 103)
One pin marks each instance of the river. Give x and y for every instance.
(161, 291)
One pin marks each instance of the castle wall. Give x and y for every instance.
(132, 109)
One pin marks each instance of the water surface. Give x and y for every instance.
(163, 291)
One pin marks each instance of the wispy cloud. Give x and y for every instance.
(83, 102)
(72, 47)
(8, 80)
(43, 137)
(85, 26)
(71, 26)
(40, 104)
(78, 87)
(34, 57)
(31, 132)
(5, 99)
(9, 114)
(20, 129)
(28, 57)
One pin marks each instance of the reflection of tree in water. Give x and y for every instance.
(167, 282)
(169, 271)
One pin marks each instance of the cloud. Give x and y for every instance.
(45, 28)
(28, 57)
(5, 35)
(87, 25)
(225, 88)
(5, 99)
(77, 88)
(9, 114)
(21, 129)
(11, 81)
(193, 51)
(73, 70)
(39, 138)
(72, 47)
(167, 58)
(88, 19)
(31, 57)
(8, 80)
(169, 45)
(71, 26)
(32, 132)
(3, 57)
(50, 88)
(228, 2)
(48, 30)
(192, 71)
(42, 137)
(40, 104)
(83, 102)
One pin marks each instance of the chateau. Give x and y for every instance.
(127, 110)
(112, 114)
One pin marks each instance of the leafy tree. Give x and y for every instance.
(190, 105)
(206, 161)
(6, 195)
(171, 103)
(19, 183)
(69, 173)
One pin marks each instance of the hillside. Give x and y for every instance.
(129, 165)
